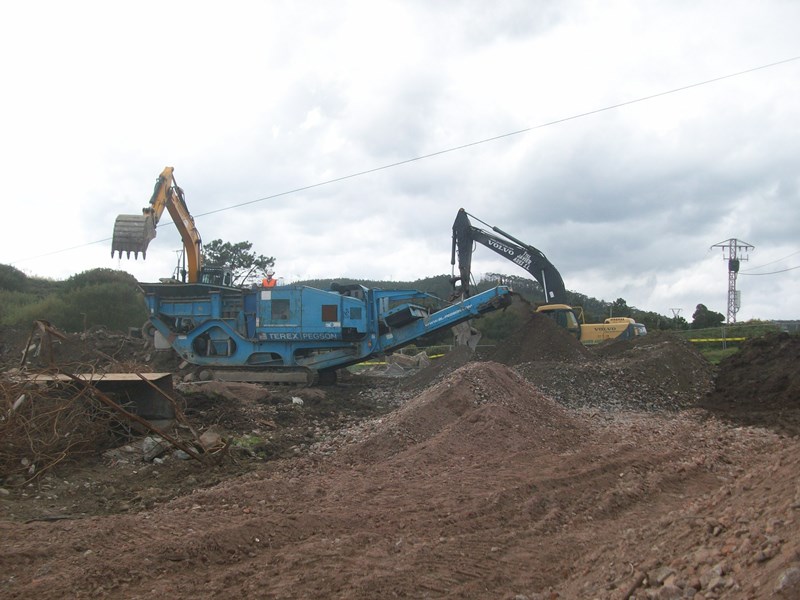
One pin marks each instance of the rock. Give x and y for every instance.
(714, 582)
(394, 370)
(694, 583)
(153, 447)
(660, 574)
(421, 360)
(210, 440)
(788, 584)
(180, 455)
(401, 360)
(669, 592)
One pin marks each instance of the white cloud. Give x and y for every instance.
(251, 100)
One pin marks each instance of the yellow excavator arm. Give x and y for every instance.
(132, 233)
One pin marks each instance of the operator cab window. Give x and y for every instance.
(280, 310)
(330, 313)
(571, 321)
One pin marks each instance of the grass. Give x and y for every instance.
(715, 355)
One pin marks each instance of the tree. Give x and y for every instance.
(100, 276)
(243, 263)
(525, 286)
(678, 323)
(620, 308)
(703, 318)
(12, 279)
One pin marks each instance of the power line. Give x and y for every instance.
(771, 263)
(772, 273)
(460, 147)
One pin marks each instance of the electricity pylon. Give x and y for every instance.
(733, 251)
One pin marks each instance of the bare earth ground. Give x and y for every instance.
(537, 470)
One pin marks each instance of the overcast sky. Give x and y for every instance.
(251, 100)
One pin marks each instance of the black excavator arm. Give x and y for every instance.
(529, 258)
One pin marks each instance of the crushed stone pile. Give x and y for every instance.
(655, 372)
(659, 371)
(538, 339)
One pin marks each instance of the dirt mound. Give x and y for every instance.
(538, 339)
(760, 384)
(476, 410)
(762, 374)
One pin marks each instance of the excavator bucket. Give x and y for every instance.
(132, 233)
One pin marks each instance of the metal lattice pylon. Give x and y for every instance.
(734, 251)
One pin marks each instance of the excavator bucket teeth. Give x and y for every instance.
(132, 233)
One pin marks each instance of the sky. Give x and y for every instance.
(577, 126)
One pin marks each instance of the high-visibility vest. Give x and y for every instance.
(268, 282)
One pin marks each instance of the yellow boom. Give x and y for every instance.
(132, 233)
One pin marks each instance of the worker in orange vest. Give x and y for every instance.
(269, 282)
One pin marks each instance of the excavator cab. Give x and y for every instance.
(564, 316)
(216, 276)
